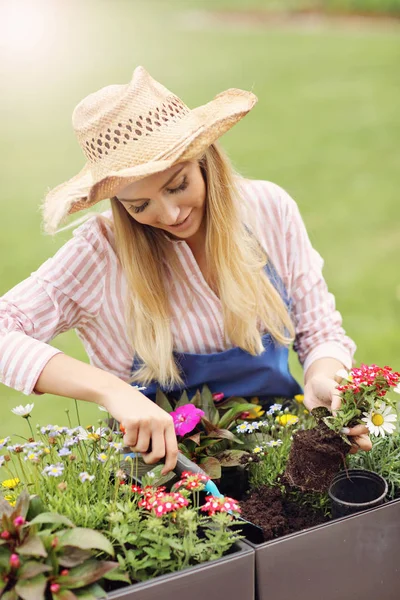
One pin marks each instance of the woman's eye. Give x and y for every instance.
(139, 209)
(182, 187)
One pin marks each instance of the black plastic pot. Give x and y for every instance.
(355, 490)
(234, 482)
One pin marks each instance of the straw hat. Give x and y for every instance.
(128, 132)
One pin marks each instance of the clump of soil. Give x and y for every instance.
(268, 508)
(316, 455)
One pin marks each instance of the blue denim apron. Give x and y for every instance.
(235, 372)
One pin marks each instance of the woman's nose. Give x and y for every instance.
(169, 214)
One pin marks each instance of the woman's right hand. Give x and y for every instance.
(145, 425)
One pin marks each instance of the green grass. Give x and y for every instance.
(326, 128)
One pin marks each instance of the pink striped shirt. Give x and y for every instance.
(83, 287)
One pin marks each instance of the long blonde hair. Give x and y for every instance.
(249, 300)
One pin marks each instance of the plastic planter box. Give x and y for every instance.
(231, 576)
(355, 557)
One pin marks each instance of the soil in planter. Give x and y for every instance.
(268, 508)
(316, 455)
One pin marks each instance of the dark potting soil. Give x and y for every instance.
(268, 508)
(316, 455)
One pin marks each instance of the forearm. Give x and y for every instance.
(66, 376)
(327, 367)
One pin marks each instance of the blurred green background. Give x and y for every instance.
(326, 128)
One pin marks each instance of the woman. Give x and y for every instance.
(196, 276)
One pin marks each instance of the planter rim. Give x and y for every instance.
(358, 472)
(330, 523)
(242, 547)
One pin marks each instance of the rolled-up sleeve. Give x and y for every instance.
(64, 292)
(318, 324)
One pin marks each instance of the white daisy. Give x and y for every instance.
(380, 421)
(242, 428)
(4, 441)
(274, 408)
(274, 443)
(85, 477)
(23, 411)
(397, 389)
(343, 374)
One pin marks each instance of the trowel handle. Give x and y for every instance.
(185, 464)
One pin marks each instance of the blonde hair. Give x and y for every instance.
(249, 300)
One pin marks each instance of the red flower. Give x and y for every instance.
(161, 503)
(218, 396)
(192, 481)
(223, 504)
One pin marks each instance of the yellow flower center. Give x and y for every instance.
(94, 436)
(377, 419)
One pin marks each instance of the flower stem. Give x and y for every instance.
(77, 412)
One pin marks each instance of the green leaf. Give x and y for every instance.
(5, 508)
(231, 458)
(33, 546)
(207, 404)
(233, 412)
(53, 518)
(5, 554)
(224, 434)
(184, 399)
(93, 592)
(117, 575)
(86, 539)
(85, 574)
(72, 557)
(195, 438)
(31, 569)
(36, 507)
(211, 466)
(66, 595)
(32, 589)
(162, 401)
(22, 504)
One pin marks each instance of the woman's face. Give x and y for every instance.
(173, 200)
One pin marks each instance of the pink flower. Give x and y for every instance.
(55, 587)
(186, 418)
(19, 521)
(14, 561)
(218, 396)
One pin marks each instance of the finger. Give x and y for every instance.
(143, 440)
(336, 402)
(358, 430)
(362, 442)
(171, 450)
(157, 448)
(130, 435)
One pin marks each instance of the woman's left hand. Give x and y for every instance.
(321, 391)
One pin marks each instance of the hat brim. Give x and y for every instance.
(81, 192)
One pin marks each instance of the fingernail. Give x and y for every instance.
(345, 430)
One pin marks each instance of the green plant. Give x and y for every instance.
(364, 399)
(384, 458)
(159, 532)
(43, 555)
(211, 442)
